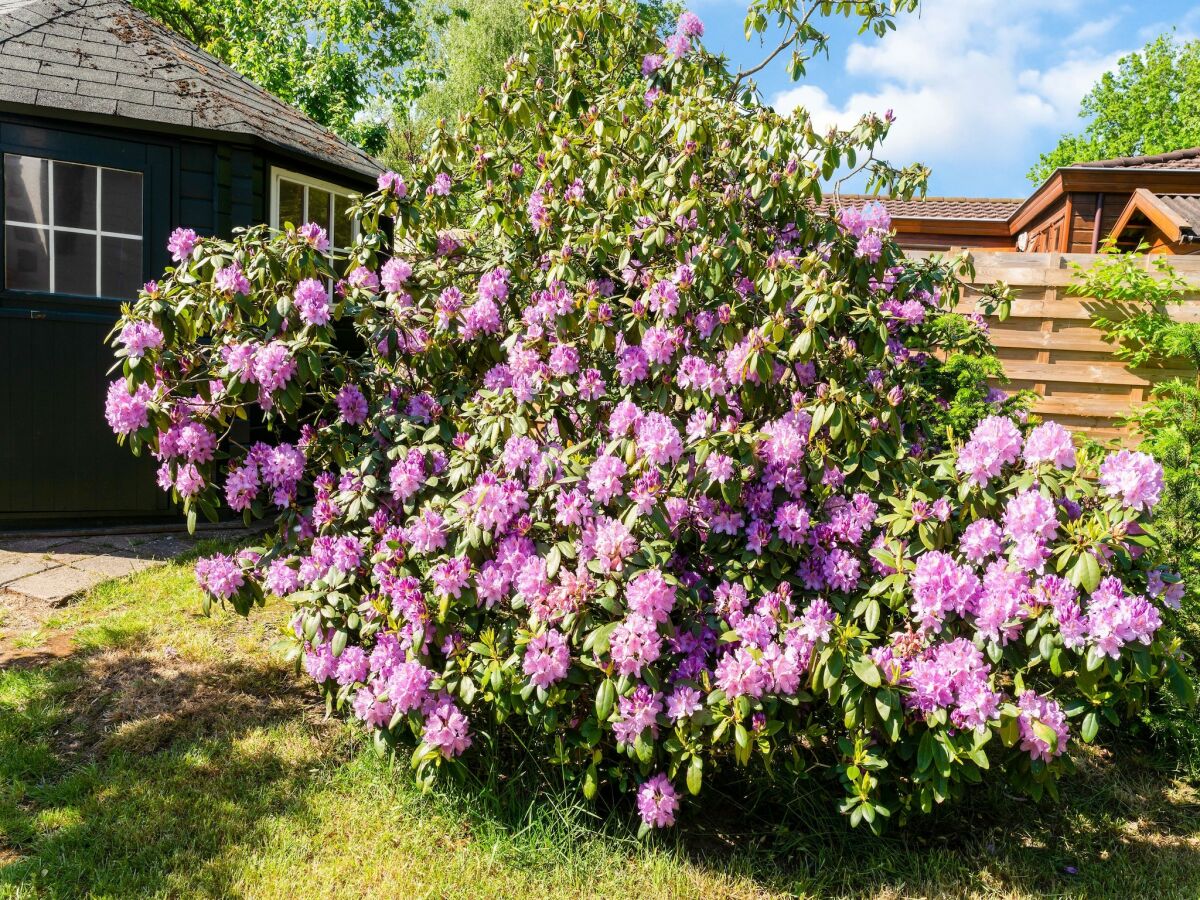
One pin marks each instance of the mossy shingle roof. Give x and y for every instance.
(104, 57)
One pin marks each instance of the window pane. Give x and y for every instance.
(120, 267)
(318, 207)
(26, 189)
(342, 228)
(74, 263)
(74, 195)
(121, 199)
(26, 259)
(291, 203)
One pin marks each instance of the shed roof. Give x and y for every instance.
(104, 57)
(1177, 216)
(982, 209)
(1188, 158)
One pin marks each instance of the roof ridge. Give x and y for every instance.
(73, 6)
(933, 197)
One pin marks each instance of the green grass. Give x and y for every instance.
(172, 755)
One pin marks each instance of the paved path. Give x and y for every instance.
(54, 570)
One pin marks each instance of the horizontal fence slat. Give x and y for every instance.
(1093, 373)
(1047, 343)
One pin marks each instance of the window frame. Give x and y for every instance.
(50, 229)
(307, 182)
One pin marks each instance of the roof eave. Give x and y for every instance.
(1066, 179)
(245, 138)
(997, 227)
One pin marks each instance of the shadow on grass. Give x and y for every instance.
(1120, 829)
(129, 772)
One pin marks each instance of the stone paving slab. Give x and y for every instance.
(56, 585)
(56, 569)
(22, 565)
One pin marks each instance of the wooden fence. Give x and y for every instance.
(1047, 343)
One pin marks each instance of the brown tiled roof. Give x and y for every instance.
(1186, 206)
(1176, 159)
(983, 209)
(104, 57)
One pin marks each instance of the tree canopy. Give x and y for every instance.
(338, 61)
(1150, 104)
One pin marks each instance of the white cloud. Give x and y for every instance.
(1093, 30)
(963, 82)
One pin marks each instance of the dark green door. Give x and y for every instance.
(85, 218)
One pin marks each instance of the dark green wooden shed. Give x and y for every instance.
(113, 131)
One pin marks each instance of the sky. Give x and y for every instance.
(979, 87)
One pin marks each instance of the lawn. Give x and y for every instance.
(148, 750)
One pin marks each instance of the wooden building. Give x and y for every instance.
(1155, 199)
(113, 131)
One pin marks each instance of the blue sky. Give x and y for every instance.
(979, 87)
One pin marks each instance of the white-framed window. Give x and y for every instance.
(300, 199)
(71, 228)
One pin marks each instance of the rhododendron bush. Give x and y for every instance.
(605, 435)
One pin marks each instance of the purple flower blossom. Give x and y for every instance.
(658, 440)
(634, 644)
(658, 801)
(604, 478)
(980, 540)
(395, 274)
(181, 243)
(126, 412)
(1134, 477)
(637, 713)
(231, 280)
(994, 443)
(941, 586)
(1036, 709)
(683, 703)
(447, 730)
(689, 24)
(650, 596)
(547, 658)
(315, 236)
(220, 576)
(1050, 442)
(138, 337)
(312, 301)
(390, 181)
(352, 405)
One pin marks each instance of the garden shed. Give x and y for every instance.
(1131, 198)
(113, 131)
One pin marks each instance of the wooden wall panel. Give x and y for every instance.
(1047, 344)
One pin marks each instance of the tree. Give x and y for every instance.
(467, 52)
(344, 63)
(1150, 104)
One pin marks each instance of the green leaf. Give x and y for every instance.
(605, 698)
(1045, 733)
(695, 775)
(339, 642)
(741, 736)
(1181, 684)
(1091, 725)
(866, 670)
(591, 782)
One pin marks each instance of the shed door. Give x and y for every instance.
(84, 221)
